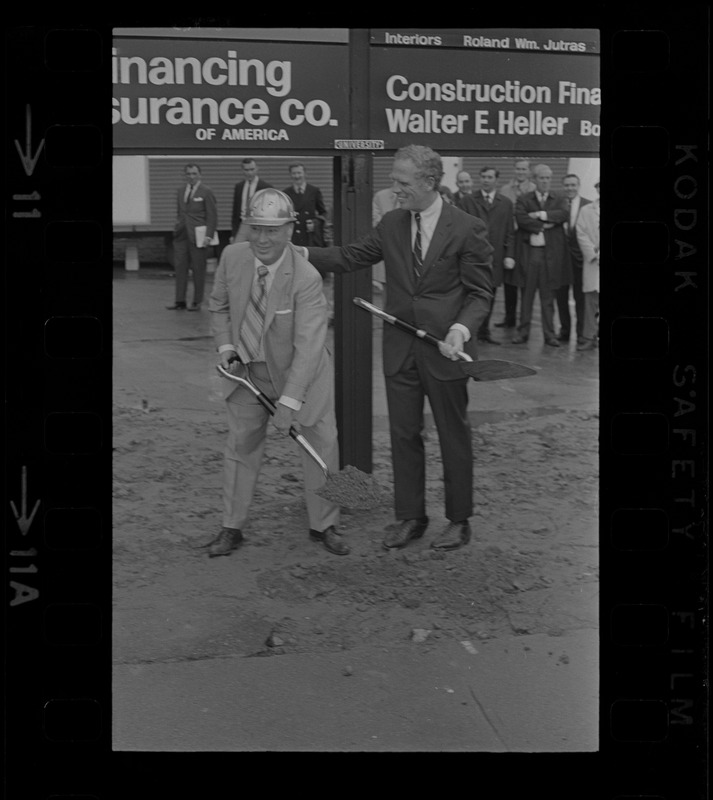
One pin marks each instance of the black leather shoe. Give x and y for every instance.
(408, 529)
(331, 540)
(229, 539)
(505, 324)
(195, 307)
(552, 342)
(488, 339)
(453, 536)
(519, 339)
(564, 336)
(177, 307)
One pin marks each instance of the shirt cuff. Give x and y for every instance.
(225, 347)
(290, 402)
(456, 326)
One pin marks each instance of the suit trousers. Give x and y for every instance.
(536, 281)
(247, 431)
(562, 296)
(405, 393)
(511, 293)
(187, 256)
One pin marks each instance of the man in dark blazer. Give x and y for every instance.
(242, 195)
(542, 259)
(497, 213)
(309, 207)
(197, 219)
(576, 202)
(438, 278)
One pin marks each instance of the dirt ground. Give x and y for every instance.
(530, 568)
(219, 653)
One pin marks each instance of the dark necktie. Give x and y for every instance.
(417, 254)
(251, 329)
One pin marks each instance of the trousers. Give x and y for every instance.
(245, 447)
(189, 257)
(536, 281)
(405, 393)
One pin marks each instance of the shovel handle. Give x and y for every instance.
(270, 407)
(405, 326)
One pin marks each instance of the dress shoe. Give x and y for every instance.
(488, 339)
(519, 339)
(195, 307)
(177, 307)
(505, 324)
(587, 344)
(581, 340)
(453, 536)
(563, 336)
(552, 342)
(408, 529)
(228, 539)
(331, 540)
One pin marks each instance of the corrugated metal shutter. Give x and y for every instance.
(221, 174)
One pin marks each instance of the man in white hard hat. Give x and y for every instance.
(269, 320)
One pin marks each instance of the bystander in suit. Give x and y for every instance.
(196, 223)
(588, 239)
(497, 213)
(242, 197)
(576, 202)
(542, 256)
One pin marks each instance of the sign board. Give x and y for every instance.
(176, 94)
(467, 99)
(358, 144)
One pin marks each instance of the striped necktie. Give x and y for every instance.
(254, 320)
(417, 253)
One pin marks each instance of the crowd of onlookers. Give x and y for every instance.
(545, 241)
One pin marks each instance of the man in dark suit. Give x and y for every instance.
(242, 196)
(542, 259)
(197, 219)
(438, 278)
(309, 207)
(570, 183)
(497, 213)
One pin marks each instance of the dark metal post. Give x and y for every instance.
(353, 329)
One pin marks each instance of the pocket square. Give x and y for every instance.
(284, 311)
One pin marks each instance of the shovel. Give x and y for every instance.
(489, 370)
(350, 488)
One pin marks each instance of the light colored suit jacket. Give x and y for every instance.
(588, 239)
(295, 329)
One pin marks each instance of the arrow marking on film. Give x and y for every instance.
(28, 160)
(22, 520)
